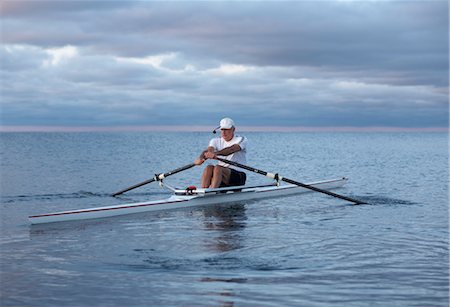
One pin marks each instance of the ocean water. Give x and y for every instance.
(306, 250)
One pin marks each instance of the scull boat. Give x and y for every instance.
(185, 198)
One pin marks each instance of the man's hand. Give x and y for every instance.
(210, 155)
(199, 161)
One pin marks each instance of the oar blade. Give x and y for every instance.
(133, 187)
(355, 201)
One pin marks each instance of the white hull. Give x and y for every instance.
(184, 201)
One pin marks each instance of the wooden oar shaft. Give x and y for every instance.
(273, 176)
(157, 177)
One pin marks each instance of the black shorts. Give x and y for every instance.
(236, 178)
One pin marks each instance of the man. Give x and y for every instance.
(229, 146)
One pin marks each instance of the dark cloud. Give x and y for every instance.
(289, 63)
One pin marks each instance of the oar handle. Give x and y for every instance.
(158, 177)
(270, 175)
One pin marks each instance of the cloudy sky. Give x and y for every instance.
(286, 64)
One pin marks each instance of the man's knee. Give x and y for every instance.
(217, 169)
(208, 171)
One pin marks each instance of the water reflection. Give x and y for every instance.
(227, 222)
(226, 295)
(64, 228)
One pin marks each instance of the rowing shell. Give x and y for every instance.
(187, 198)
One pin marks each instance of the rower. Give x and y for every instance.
(228, 146)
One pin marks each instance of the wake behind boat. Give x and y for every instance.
(190, 197)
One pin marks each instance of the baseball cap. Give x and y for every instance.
(226, 123)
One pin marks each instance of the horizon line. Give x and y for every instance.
(199, 128)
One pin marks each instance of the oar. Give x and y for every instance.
(277, 177)
(158, 177)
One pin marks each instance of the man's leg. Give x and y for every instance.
(207, 175)
(220, 174)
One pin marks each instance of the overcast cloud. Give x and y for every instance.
(323, 63)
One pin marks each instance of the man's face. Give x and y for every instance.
(227, 134)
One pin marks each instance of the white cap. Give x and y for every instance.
(226, 123)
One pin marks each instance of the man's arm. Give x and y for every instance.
(210, 154)
(229, 150)
(203, 155)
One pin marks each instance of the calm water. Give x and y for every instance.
(309, 250)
